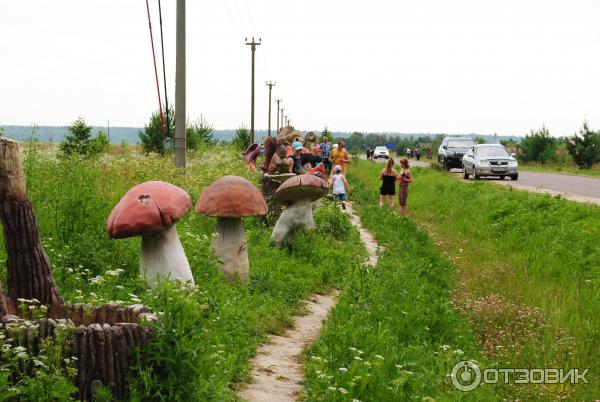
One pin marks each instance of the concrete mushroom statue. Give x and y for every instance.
(297, 193)
(150, 210)
(229, 199)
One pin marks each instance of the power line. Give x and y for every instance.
(241, 18)
(232, 19)
(250, 17)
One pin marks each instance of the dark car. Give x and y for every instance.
(451, 152)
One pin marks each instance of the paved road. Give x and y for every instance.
(576, 188)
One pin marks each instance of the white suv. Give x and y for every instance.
(381, 152)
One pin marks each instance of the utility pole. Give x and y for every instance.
(252, 45)
(180, 87)
(270, 85)
(282, 121)
(286, 120)
(278, 101)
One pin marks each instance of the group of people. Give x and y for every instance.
(290, 153)
(413, 153)
(389, 176)
(294, 155)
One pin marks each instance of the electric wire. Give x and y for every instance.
(250, 17)
(231, 18)
(241, 18)
(162, 118)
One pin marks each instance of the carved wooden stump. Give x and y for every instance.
(103, 336)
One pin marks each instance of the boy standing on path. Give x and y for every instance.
(338, 183)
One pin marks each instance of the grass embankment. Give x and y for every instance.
(527, 269)
(571, 169)
(200, 348)
(393, 335)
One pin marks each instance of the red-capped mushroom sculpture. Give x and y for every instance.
(229, 199)
(297, 194)
(150, 210)
(102, 337)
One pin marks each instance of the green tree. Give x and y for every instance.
(479, 140)
(584, 147)
(325, 133)
(198, 133)
(99, 145)
(538, 146)
(152, 138)
(241, 140)
(79, 140)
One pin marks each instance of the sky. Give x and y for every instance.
(427, 66)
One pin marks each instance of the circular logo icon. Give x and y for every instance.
(466, 375)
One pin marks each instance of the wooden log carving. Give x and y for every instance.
(3, 306)
(103, 336)
(29, 272)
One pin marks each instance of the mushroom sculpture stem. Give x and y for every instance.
(163, 257)
(230, 247)
(297, 193)
(296, 217)
(229, 199)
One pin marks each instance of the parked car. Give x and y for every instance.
(451, 152)
(489, 160)
(381, 152)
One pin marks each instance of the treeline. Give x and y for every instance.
(583, 147)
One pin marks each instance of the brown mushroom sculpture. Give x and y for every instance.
(150, 210)
(229, 199)
(297, 193)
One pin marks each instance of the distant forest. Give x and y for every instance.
(130, 135)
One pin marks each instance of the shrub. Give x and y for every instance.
(99, 145)
(355, 152)
(152, 138)
(584, 147)
(198, 133)
(538, 146)
(79, 141)
(241, 140)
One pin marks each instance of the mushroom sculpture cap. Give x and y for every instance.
(147, 208)
(231, 197)
(304, 186)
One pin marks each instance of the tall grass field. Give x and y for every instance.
(205, 337)
(525, 271)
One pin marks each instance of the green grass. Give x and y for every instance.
(201, 346)
(570, 168)
(527, 268)
(394, 335)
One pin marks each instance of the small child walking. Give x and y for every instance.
(338, 183)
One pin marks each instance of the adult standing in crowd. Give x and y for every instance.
(339, 156)
(325, 151)
(388, 177)
(405, 178)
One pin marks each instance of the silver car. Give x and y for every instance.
(489, 160)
